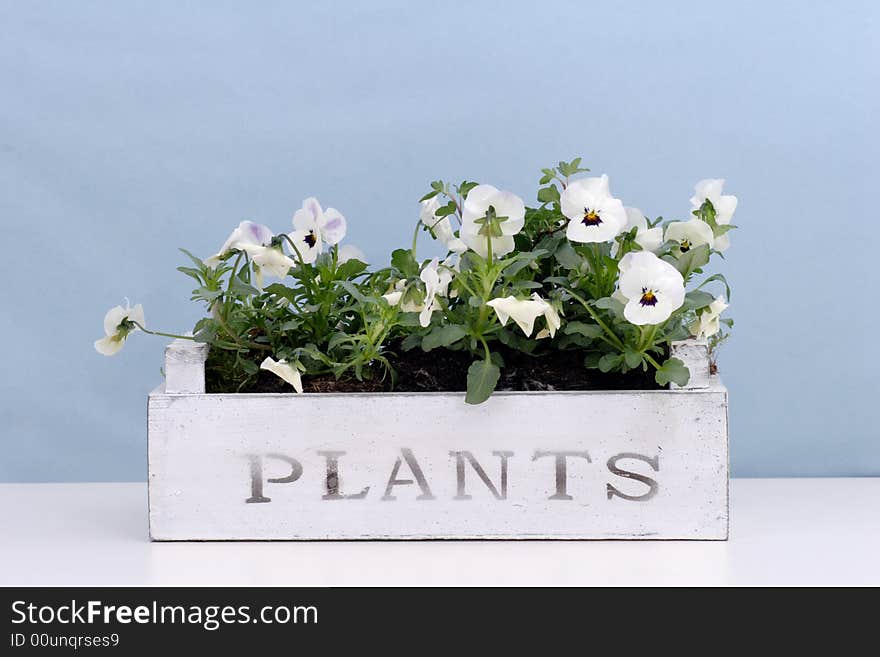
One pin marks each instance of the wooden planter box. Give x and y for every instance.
(524, 465)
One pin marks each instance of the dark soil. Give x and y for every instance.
(446, 371)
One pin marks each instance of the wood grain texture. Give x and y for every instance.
(639, 465)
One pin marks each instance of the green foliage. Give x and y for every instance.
(674, 371)
(482, 378)
(342, 319)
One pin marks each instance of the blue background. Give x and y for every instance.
(129, 129)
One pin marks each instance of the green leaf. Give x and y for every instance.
(609, 362)
(282, 291)
(403, 261)
(206, 294)
(548, 194)
(717, 277)
(697, 299)
(353, 290)
(632, 358)
(350, 268)
(249, 366)
(193, 273)
(443, 336)
(482, 378)
(240, 288)
(446, 210)
(429, 195)
(523, 260)
(527, 285)
(581, 328)
(612, 304)
(672, 370)
(567, 257)
(197, 261)
(692, 260)
(465, 188)
(409, 320)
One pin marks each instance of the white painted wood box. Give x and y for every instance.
(524, 465)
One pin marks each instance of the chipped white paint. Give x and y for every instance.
(185, 367)
(566, 465)
(695, 356)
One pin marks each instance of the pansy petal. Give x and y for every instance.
(351, 252)
(113, 319)
(109, 345)
(725, 206)
(136, 314)
(635, 219)
(333, 226)
(510, 206)
(285, 371)
(308, 243)
(650, 239)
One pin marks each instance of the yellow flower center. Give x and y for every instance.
(648, 297)
(685, 245)
(310, 239)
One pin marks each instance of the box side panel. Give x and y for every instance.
(615, 465)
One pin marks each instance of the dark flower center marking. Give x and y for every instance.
(648, 298)
(685, 245)
(310, 239)
(591, 217)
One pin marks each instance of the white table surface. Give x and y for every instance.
(783, 531)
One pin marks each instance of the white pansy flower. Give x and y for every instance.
(708, 319)
(350, 252)
(269, 259)
(523, 311)
(119, 323)
(284, 370)
(393, 298)
(491, 216)
(724, 204)
(690, 234)
(594, 215)
(654, 289)
(436, 282)
(248, 233)
(553, 318)
(650, 239)
(441, 227)
(452, 265)
(409, 299)
(314, 226)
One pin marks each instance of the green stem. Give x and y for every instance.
(617, 342)
(237, 340)
(164, 335)
(415, 239)
(647, 339)
(486, 349)
(294, 247)
(232, 275)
